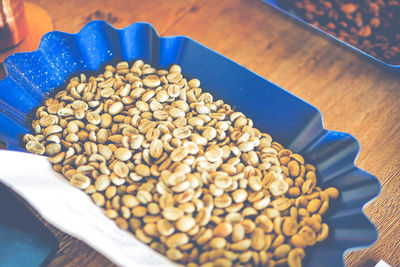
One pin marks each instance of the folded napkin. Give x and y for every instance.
(382, 263)
(72, 211)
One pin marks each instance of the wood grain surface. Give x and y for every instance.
(353, 94)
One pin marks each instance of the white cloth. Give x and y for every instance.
(382, 263)
(72, 211)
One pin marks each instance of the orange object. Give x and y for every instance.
(39, 23)
(13, 26)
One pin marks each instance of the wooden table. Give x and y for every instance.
(354, 95)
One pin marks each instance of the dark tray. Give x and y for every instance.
(291, 14)
(24, 240)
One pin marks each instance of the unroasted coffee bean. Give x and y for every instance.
(186, 174)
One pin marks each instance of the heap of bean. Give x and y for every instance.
(371, 25)
(187, 174)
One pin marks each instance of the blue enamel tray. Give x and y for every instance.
(291, 121)
(275, 4)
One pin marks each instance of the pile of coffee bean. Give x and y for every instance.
(370, 25)
(188, 175)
